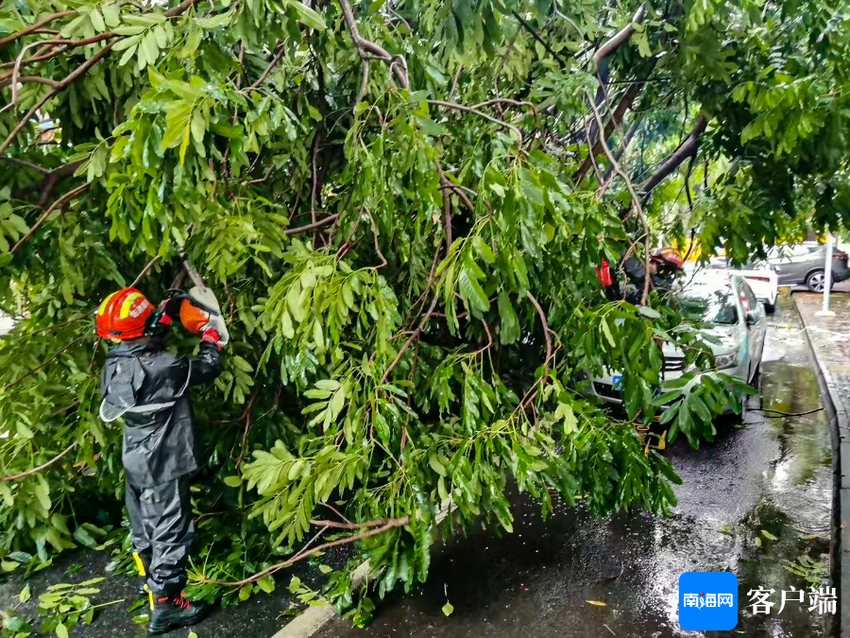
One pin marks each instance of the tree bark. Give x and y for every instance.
(616, 119)
(686, 149)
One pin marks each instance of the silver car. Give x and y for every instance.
(803, 265)
(739, 327)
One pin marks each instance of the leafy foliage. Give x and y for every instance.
(409, 280)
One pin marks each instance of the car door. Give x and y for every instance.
(793, 264)
(757, 331)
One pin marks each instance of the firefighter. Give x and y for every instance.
(664, 267)
(148, 386)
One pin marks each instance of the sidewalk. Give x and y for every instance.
(829, 338)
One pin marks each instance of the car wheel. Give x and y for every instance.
(815, 281)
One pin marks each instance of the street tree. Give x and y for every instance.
(401, 206)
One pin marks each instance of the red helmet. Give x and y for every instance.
(123, 315)
(669, 255)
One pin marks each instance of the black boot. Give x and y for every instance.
(171, 612)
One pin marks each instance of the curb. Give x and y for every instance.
(839, 547)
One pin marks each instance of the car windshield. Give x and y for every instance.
(715, 306)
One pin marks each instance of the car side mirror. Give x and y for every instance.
(752, 318)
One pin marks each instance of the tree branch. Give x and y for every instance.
(72, 77)
(24, 164)
(562, 63)
(180, 9)
(348, 524)
(43, 466)
(410, 339)
(489, 118)
(546, 330)
(620, 38)
(365, 46)
(686, 149)
(447, 209)
(12, 384)
(49, 183)
(144, 272)
(269, 68)
(635, 200)
(616, 120)
(247, 429)
(34, 27)
(59, 202)
(388, 525)
(303, 229)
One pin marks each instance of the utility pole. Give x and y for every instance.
(827, 280)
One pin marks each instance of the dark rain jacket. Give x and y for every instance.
(148, 386)
(635, 278)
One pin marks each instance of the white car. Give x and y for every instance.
(761, 276)
(738, 323)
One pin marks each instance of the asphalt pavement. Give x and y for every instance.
(753, 502)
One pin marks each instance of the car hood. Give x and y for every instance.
(726, 337)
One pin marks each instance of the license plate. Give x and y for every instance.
(617, 382)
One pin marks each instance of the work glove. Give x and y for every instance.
(197, 320)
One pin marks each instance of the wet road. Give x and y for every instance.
(756, 499)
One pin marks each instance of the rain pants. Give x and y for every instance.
(147, 385)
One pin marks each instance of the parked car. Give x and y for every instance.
(803, 265)
(760, 275)
(739, 327)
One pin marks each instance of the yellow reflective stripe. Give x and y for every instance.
(128, 304)
(139, 564)
(150, 596)
(105, 302)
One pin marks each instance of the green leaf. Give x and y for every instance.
(61, 631)
(25, 594)
(42, 493)
(472, 292)
(216, 21)
(97, 20)
(83, 537)
(233, 481)
(266, 584)
(436, 465)
(325, 569)
(448, 608)
(23, 431)
(642, 42)
(646, 311)
(607, 332)
(199, 126)
(509, 331)
(307, 16)
(328, 384)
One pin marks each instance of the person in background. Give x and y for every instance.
(665, 265)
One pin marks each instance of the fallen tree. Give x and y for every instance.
(401, 210)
